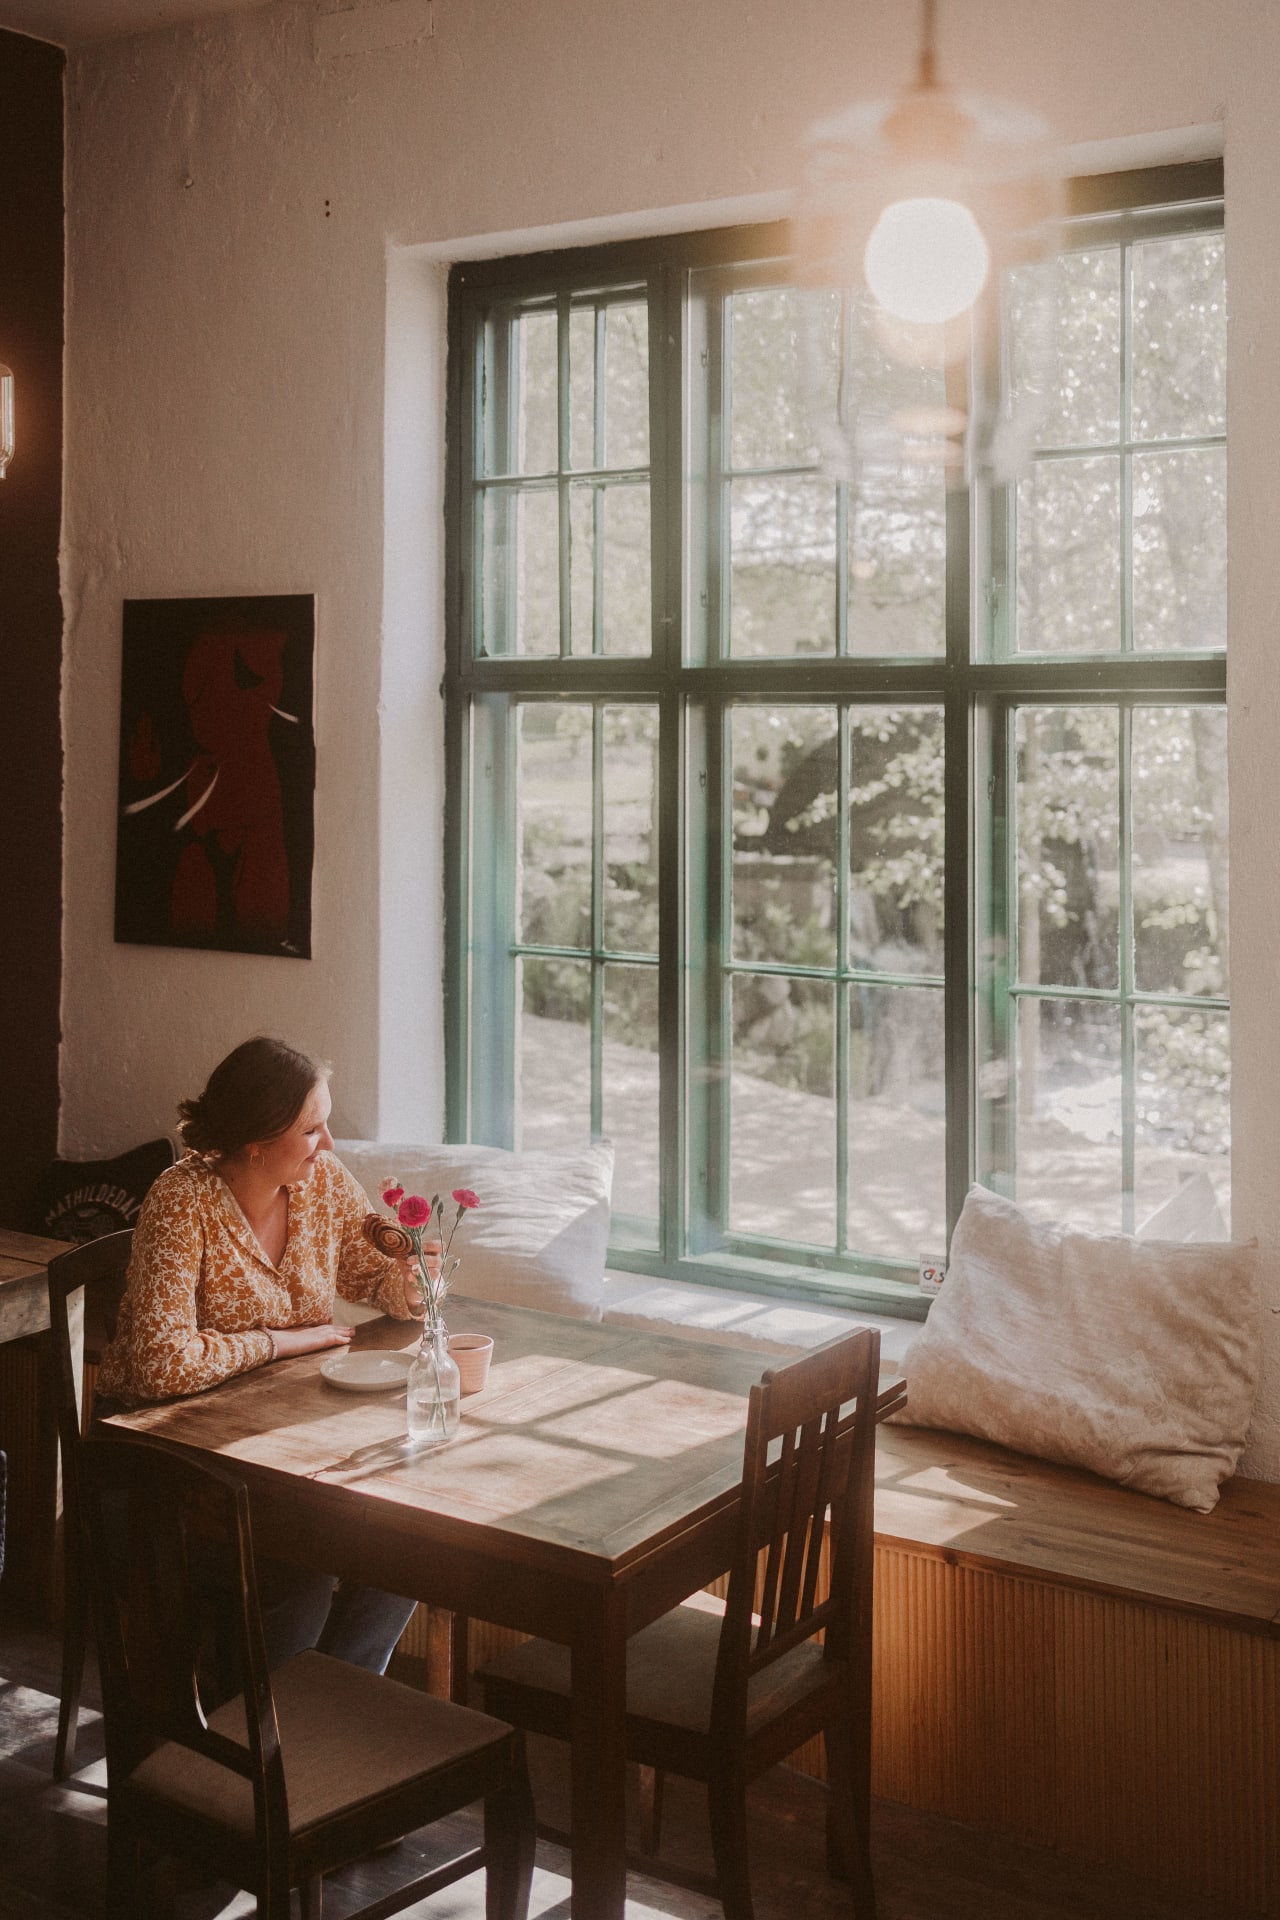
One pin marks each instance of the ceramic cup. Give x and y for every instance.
(472, 1353)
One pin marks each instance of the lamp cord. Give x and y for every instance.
(928, 73)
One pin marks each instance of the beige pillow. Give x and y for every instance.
(540, 1235)
(1137, 1359)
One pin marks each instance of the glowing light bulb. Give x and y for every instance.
(926, 260)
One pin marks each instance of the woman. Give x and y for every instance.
(237, 1255)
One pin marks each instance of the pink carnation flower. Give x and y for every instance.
(415, 1211)
(392, 1194)
(465, 1197)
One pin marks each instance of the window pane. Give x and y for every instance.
(1067, 824)
(554, 878)
(1180, 849)
(1183, 1062)
(630, 1092)
(1083, 406)
(897, 1121)
(626, 391)
(785, 780)
(584, 507)
(609, 567)
(896, 839)
(553, 1053)
(769, 339)
(582, 388)
(631, 829)
(1180, 548)
(520, 434)
(782, 1109)
(897, 563)
(627, 617)
(1179, 337)
(782, 568)
(1069, 1112)
(1069, 557)
(609, 384)
(521, 611)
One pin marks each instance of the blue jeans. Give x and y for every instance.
(358, 1624)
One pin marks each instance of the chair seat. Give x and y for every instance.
(670, 1673)
(346, 1736)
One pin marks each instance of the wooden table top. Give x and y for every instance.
(21, 1252)
(588, 1444)
(24, 1306)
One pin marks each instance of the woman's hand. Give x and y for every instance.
(287, 1341)
(415, 1305)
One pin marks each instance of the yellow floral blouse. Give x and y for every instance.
(201, 1291)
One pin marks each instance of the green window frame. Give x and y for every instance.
(537, 475)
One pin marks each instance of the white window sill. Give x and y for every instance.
(757, 1321)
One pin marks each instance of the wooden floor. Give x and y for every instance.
(52, 1847)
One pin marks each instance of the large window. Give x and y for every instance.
(828, 846)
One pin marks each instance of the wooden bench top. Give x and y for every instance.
(971, 1503)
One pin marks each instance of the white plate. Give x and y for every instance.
(366, 1372)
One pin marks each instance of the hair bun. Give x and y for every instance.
(388, 1238)
(193, 1125)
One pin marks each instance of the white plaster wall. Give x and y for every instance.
(255, 369)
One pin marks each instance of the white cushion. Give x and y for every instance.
(1137, 1359)
(541, 1232)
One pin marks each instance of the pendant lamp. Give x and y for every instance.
(918, 209)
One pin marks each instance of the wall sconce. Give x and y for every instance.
(6, 419)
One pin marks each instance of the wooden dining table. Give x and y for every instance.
(29, 1421)
(593, 1484)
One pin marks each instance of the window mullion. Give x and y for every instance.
(1126, 456)
(597, 920)
(563, 459)
(1128, 1083)
(843, 780)
(958, 864)
(597, 490)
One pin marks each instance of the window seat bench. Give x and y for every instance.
(1084, 1666)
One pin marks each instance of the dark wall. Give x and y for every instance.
(31, 290)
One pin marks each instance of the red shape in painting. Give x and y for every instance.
(231, 683)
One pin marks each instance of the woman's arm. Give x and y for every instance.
(363, 1273)
(167, 1353)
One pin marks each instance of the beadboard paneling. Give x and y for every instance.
(1119, 1733)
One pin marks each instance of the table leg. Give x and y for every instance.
(598, 1765)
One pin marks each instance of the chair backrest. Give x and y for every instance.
(100, 1267)
(171, 1568)
(810, 1453)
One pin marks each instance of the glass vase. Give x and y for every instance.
(434, 1389)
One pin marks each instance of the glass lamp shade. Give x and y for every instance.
(917, 208)
(6, 419)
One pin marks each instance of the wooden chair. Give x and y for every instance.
(721, 1697)
(303, 1770)
(96, 1271)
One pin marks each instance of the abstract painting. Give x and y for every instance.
(214, 834)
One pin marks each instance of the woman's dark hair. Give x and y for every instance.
(254, 1094)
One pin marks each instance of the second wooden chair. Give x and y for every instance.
(721, 1698)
